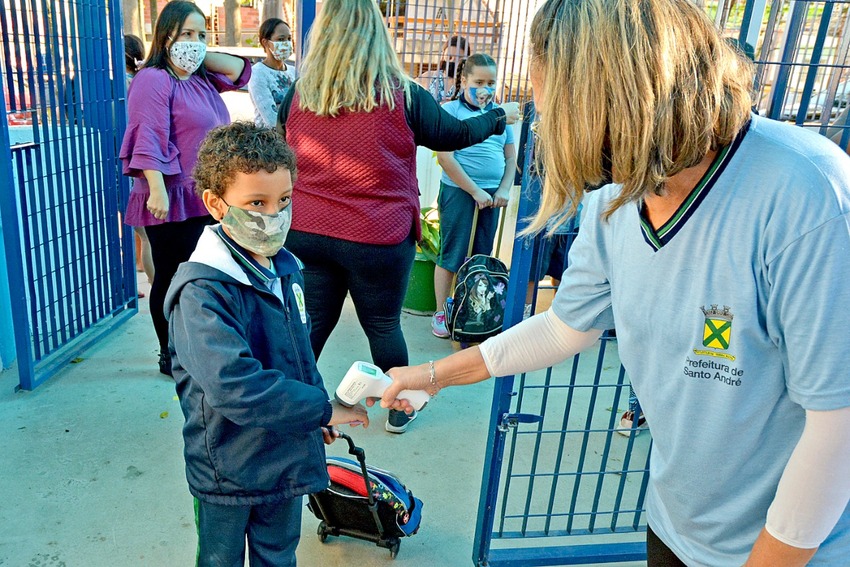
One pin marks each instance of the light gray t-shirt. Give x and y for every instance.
(731, 320)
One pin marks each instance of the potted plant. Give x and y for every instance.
(419, 299)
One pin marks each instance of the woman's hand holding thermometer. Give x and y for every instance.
(364, 380)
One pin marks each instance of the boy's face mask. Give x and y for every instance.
(257, 232)
(187, 55)
(480, 96)
(281, 50)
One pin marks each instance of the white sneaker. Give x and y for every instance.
(627, 424)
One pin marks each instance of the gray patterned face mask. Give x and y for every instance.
(188, 55)
(257, 232)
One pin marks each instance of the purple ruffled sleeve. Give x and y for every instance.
(147, 141)
(223, 84)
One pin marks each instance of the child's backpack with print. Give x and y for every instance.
(476, 310)
(365, 502)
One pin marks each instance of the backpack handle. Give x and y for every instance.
(502, 216)
(472, 232)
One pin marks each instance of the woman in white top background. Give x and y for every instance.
(271, 77)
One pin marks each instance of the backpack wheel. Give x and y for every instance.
(394, 549)
(322, 532)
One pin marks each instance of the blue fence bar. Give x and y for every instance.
(13, 323)
(793, 35)
(815, 61)
(503, 390)
(305, 14)
(70, 264)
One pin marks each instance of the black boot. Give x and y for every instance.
(165, 363)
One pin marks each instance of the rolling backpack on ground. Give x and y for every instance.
(365, 502)
(476, 309)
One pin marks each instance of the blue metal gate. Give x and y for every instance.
(560, 487)
(70, 265)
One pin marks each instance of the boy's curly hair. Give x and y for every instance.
(240, 147)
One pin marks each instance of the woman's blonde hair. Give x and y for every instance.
(350, 63)
(648, 86)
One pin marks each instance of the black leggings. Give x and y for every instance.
(658, 554)
(375, 275)
(171, 244)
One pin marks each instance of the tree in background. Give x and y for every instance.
(134, 12)
(271, 9)
(233, 23)
(154, 10)
(131, 10)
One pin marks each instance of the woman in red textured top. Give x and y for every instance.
(354, 119)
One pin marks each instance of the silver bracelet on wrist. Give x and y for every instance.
(432, 379)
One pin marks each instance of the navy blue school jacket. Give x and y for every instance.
(247, 381)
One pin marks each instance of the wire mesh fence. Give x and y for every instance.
(799, 48)
(423, 29)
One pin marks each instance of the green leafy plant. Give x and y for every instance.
(429, 247)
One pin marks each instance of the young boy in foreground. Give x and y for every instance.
(256, 410)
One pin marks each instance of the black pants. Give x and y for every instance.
(171, 244)
(658, 554)
(375, 275)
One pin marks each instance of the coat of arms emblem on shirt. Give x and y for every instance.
(717, 332)
(299, 301)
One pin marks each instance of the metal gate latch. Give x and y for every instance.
(511, 420)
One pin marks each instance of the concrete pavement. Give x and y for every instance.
(93, 476)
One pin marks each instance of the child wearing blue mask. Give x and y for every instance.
(256, 410)
(479, 176)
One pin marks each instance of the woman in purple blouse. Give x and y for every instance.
(172, 103)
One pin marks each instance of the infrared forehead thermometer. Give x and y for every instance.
(364, 380)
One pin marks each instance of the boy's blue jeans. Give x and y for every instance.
(273, 531)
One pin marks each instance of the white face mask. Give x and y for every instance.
(188, 55)
(281, 50)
